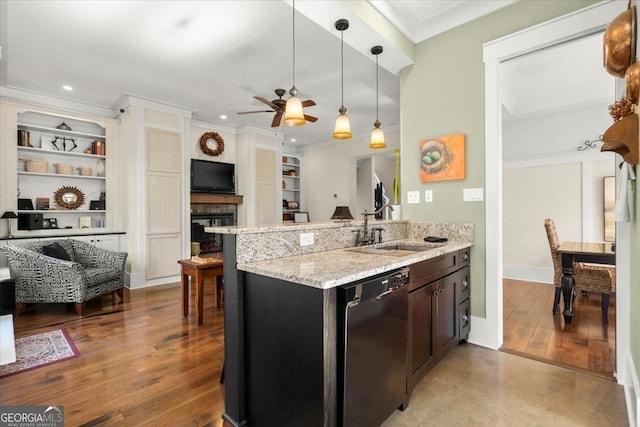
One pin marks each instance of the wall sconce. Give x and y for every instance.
(342, 213)
(377, 135)
(342, 129)
(9, 215)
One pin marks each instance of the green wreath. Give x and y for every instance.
(204, 144)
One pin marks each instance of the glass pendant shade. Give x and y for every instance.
(377, 137)
(293, 114)
(343, 127)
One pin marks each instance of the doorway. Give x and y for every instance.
(550, 172)
(587, 21)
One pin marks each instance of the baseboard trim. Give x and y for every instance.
(527, 273)
(483, 333)
(632, 392)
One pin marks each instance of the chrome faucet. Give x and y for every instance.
(367, 239)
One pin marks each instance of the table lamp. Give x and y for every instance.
(9, 215)
(342, 213)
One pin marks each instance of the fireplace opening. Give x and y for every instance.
(209, 242)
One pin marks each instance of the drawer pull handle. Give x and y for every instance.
(465, 284)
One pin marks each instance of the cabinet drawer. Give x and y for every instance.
(464, 320)
(465, 256)
(432, 269)
(463, 284)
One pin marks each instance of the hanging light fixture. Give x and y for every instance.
(343, 127)
(377, 135)
(293, 113)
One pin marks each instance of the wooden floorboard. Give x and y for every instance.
(141, 362)
(531, 330)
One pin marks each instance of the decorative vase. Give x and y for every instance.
(396, 213)
(101, 168)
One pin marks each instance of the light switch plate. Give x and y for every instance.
(473, 194)
(428, 196)
(413, 197)
(306, 239)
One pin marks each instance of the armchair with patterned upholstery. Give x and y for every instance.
(587, 277)
(76, 272)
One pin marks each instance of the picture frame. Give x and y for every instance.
(300, 217)
(42, 203)
(293, 204)
(25, 205)
(85, 222)
(609, 206)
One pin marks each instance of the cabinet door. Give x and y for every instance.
(110, 242)
(421, 345)
(446, 315)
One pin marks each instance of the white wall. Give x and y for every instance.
(556, 131)
(329, 173)
(569, 193)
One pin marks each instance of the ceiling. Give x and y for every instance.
(212, 57)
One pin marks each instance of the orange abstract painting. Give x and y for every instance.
(442, 158)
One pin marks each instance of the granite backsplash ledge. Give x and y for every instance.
(280, 242)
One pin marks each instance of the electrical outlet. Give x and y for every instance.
(413, 197)
(428, 196)
(536, 260)
(306, 239)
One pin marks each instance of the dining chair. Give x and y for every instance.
(588, 277)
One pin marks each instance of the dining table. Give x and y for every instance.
(572, 252)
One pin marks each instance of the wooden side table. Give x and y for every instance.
(199, 272)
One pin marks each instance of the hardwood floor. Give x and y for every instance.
(531, 330)
(143, 364)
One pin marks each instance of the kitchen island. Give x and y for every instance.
(281, 311)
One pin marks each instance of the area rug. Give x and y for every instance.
(40, 350)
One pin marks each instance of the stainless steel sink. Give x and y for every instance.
(409, 247)
(396, 249)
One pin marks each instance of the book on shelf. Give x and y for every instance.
(98, 147)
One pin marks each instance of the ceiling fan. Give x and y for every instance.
(278, 106)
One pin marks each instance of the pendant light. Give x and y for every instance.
(343, 127)
(293, 114)
(377, 135)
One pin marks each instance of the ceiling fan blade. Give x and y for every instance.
(276, 120)
(266, 101)
(308, 103)
(310, 118)
(257, 111)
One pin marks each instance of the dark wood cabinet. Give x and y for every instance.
(446, 325)
(421, 339)
(438, 311)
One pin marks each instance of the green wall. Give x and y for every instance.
(443, 93)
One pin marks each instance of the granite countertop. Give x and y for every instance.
(328, 269)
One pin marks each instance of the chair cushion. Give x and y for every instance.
(55, 250)
(101, 274)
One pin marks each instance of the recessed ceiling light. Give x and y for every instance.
(67, 87)
(293, 140)
(223, 117)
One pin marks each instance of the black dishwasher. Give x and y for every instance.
(372, 348)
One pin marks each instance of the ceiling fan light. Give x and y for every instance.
(377, 137)
(343, 127)
(293, 114)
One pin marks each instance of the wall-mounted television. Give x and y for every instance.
(212, 177)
